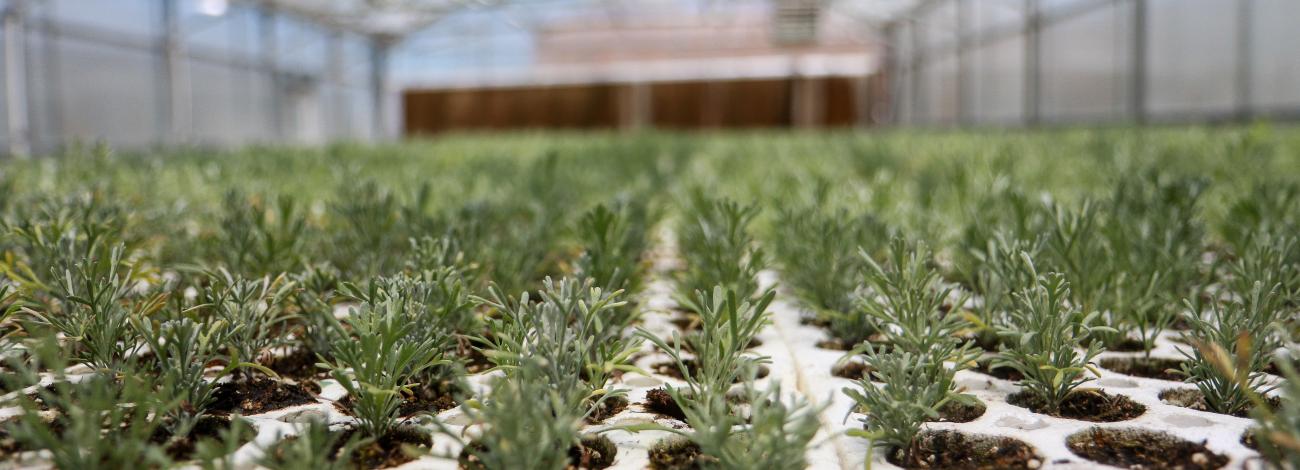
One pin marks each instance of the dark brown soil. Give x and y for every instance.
(686, 346)
(985, 366)
(1085, 404)
(686, 322)
(1140, 449)
(1275, 369)
(387, 450)
(299, 364)
(1193, 399)
(1128, 345)
(259, 396)
(1249, 440)
(207, 428)
(955, 450)
(36, 396)
(954, 412)
(987, 342)
(851, 370)
(424, 399)
(607, 409)
(835, 344)
(670, 369)
(812, 320)
(677, 453)
(10, 446)
(659, 401)
(593, 452)
(472, 358)
(1147, 367)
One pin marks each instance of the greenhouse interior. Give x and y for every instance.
(650, 234)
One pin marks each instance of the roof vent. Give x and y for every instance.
(794, 22)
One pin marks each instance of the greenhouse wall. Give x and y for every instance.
(1027, 62)
(140, 73)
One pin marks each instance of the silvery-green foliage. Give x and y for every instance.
(613, 239)
(1040, 339)
(572, 336)
(728, 325)
(1247, 329)
(250, 313)
(1278, 431)
(93, 306)
(818, 253)
(258, 237)
(906, 301)
(93, 429)
(715, 241)
(898, 398)
(527, 422)
(311, 449)
(378, 360)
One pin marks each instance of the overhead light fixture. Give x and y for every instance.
(214, 7)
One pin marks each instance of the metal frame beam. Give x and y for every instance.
(964, 91)
(16, 69)
(1138, 100)
(380, 49)
(1033, 63)
(178, 101)
(1245, 73)
(270, 64)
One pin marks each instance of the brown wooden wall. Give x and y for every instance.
(670, 105)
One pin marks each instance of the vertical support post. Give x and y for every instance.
(714, 102)
(177, 109)
(917, 67)
(964, 104)
(1245, 65)
(379, 54)
(270, 66)
(1138, 100)
(1033, 63)
(889, 72)
(863, 97)
(634, 105)
(15, 61)
(335, 114)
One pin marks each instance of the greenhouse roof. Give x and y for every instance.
(398, 18)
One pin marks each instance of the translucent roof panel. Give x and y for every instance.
(498, 42)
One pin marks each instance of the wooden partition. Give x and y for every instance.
(767, 103)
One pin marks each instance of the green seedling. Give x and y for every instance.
(727, 327)
(1247, 327)
(1040, 340)
(377, 361)
(572, 335)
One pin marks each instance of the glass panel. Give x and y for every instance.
(999, 75)
(302, 47)
(997, 14)
(938, 103)
(142, 17)
(232, 34)
(4, 116)
(904, 98)
(356, 61)
(939, 25)
(1055, 6)
(108, 93)
(215, 92)
(1192, 56)
(256, 106)
(1275, 55)
(1085, 66)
